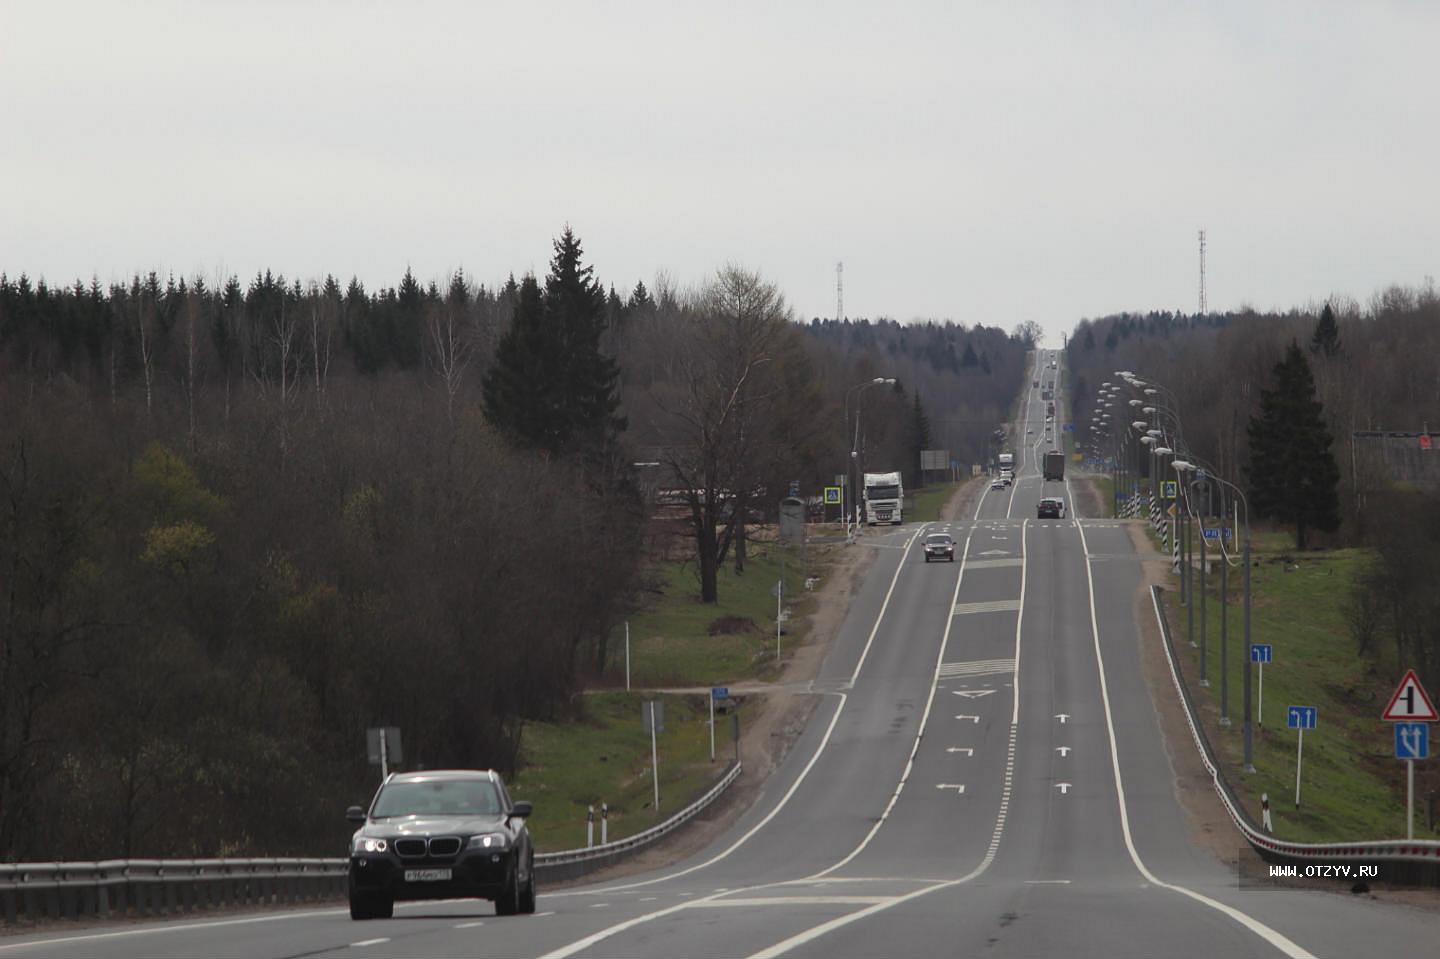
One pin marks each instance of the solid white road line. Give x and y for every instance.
(180, 927)
(1274, 938)
(369, 942)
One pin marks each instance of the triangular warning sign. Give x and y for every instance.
(1410, 703)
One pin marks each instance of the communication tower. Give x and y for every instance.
(1203, 308)
(839, 292)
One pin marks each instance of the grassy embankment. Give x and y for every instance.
(925, 505)
(604, 756)
(1351, 786)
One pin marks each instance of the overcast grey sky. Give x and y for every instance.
(992, 162)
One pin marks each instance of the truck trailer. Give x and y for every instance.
(1054, 465)
(884, 496)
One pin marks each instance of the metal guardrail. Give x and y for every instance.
(577, 862)
(164, 887)
(1418, 859)
(150, 887)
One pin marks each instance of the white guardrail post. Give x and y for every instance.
(151, 887)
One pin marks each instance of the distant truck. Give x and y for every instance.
(1054, 465)
(1006, 462)
(884, 496)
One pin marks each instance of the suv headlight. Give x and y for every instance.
(489, 840)
(366, 844)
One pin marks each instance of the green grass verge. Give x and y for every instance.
(1351, 786)
(680, 641)
(924, 506)
(604, 756)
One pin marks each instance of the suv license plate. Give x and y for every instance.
(427, 875)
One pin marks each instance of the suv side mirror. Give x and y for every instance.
(355, 814)
(521, 810)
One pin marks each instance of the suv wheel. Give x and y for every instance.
(508, 903)
(372, 906)
(527, 895)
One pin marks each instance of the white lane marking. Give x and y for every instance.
(469, 925)
(1047, 882)
(541, 915)
(180, 927)
(988, 606)
(979, 667)
(972, 693)
(598, 905)
(369, 942)
(814, 758)
(1275, 938)
(1063, 787)
(1063, 751)
(973, 719)
(924, 718)
(958, 787)
(815, 932)
(1062, 717)
(961, 749)
(1019, 623)
(793, 901)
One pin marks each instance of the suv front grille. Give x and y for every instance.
(410, 848)
(444, 846)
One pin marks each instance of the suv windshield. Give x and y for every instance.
(470, 797)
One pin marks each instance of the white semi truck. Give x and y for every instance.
(884, 496)
(1007, 464)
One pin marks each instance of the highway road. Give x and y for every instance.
(984, 775)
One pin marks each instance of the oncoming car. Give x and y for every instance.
(1051, 507)
(938, 545)
(443, 834)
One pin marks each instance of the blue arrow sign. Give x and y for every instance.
(1212, 533)
(1301, 717)
(1262, 653)
(1412, 740)
(720, 692)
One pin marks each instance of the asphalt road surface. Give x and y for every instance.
(984, 776)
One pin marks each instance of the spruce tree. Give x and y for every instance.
(919, 439)
(552, 387)
(1292, 472)
(1327, 334)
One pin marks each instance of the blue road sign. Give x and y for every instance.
(720, 692)
(1169, 489)
(1412, 740)
(1211, 533)
(1069, 427)
(1228, 533)
(1261, 653)
(1301, 717)
(832, 495)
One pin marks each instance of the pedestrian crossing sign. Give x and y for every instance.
(1169, 489)
(832, 495)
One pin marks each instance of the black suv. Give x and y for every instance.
(939, 546)
(444, 834)
(1051, 508)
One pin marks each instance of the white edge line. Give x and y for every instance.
(148, 930)
(1274, 938)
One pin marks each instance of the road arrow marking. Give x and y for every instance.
(973, 719)
(972, 693)
(1062, 717)
(1063, 787)
(961, 749)
(959, 789)
(1063, 751)
(994, 552)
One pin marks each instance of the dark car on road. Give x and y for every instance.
(1051, 508)
(939, 546)
(443, 834)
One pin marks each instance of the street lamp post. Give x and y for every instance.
(1246, 720)
(853, 503)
